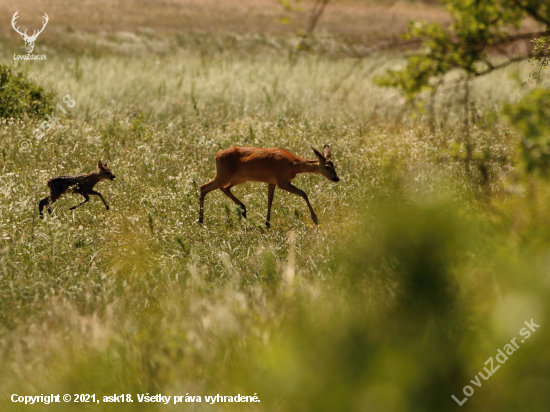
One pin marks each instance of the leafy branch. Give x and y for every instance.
(479, 41)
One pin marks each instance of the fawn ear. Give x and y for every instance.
(326, 151)
(100, 164)
(318, 154)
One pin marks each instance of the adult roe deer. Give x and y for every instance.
(276, 167)
(81, 184)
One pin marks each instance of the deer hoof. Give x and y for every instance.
(268, 225)
(106, 207)
(244, 213)
(200, 220)
(314, 218)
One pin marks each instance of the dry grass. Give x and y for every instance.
(356, 18)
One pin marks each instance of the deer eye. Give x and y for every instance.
(327, 167)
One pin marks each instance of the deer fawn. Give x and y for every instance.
(81, 184)
(276, 167)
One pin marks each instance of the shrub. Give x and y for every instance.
(20, 96)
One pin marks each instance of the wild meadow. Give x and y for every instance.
(425, 262)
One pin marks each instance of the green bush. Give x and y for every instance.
(20, 96)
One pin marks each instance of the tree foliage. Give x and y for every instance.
(540, 56)
(478, 28)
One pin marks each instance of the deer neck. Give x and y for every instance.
(308, 166)
(94, 177)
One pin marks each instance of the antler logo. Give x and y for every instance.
(29, 40)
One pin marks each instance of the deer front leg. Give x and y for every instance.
(227, 191)
(270, 192)
(206, 188)
(86, 197)
(93, 192)
(289, 187)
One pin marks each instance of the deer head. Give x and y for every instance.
(29, 40)
(104, 172)
(326, 166)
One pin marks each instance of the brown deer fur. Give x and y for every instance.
(276, 167)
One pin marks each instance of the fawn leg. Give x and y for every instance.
(93, 192)
(270, 192)
(49, 200)
(293, 189)
(86, 197)
(44, 202)
(227, 191)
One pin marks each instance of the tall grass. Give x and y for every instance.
(415, 276)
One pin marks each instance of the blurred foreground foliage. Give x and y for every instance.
(406, 310)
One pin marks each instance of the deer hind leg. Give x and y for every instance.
(86, 198)
(93, 192)
(227, 190)
(289, 187)
(206, 188)
(48, 200)
(270, 192)
(44, 202)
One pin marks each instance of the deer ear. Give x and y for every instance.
(318, 154)
(326, 151)
(100, 164)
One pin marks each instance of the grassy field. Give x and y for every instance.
(420, 270)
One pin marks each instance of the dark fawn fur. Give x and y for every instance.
(81, 184)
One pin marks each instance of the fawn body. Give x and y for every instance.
(81, 184)
(276, 167)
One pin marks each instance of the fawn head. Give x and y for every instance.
(326, 167)
(104, 171)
